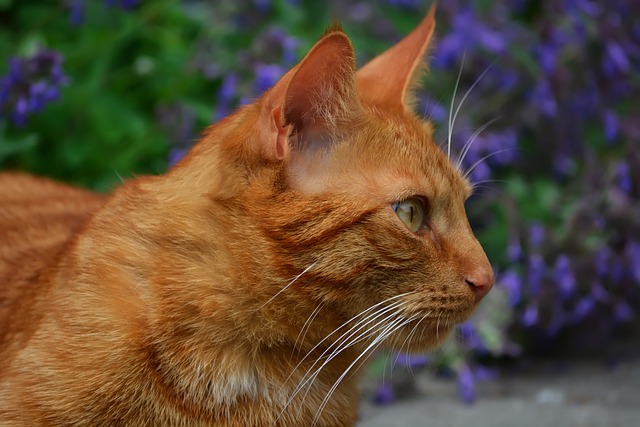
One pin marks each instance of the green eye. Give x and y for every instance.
(411, 212)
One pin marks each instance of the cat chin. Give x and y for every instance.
(419, 339)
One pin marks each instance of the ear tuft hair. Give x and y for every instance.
(335, 26)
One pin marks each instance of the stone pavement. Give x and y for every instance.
(579, 395)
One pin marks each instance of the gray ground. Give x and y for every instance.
(583, 394)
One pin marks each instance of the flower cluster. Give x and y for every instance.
(30, 85)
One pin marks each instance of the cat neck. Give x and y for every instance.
(217, 328)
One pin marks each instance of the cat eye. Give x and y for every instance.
(411, 212)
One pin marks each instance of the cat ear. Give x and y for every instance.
(388, 78)
(304, 109)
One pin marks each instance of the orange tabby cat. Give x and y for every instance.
(247, 285)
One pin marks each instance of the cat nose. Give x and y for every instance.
(480, 282)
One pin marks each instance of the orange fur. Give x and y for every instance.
(208, 295)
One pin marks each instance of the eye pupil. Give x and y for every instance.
(411, 212)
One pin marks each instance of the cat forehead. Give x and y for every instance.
(387, 158)
(405, 147)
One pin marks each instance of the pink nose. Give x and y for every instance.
(480, 282)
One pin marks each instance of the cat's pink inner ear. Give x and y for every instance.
(388, 78)
(321, 92)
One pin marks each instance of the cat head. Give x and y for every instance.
(334, 194)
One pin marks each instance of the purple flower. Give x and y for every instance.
(616, 270)
(543, 98)
(480, 172)
(76, 12)
(175, 155)
(622, 312)
(510, 281)
(536, 270)
(547, 58)
(632, 252)
(623, 177)
(411, 360)
(599, 292)
(611, 125)
(514, 249)
(287, 43)
(530, 316)
(467, 34)
(384, 394)
(266, 76)
(31, 84)
(228, 87)
(616, 59)
(536, 234)
(466, 384)
(226, 94)
(563, 276)
(483, 373)
(471, 338)
(433, 110)
(602, 261)
(262, 5)
(124, 4)
(405, 4)
(583, 308)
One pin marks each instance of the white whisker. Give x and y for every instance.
(467, 174)
(289, 284)
(472, 139)
(307, 325)
(453, 100)
(389, 330)
(342, 326)
(454, 116)
(340, 342)
(407, 340)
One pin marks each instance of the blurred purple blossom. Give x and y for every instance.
(262, 5)
(623, 312)
(226, 95)
(76, 12)
(530, 315)
(175, 155)
(31, 84)
(536, 234)
(511, 282)
(406, 4)
(514, 249)
(411, 360)
(623, 176)
(542, 97)
(583, 308)
(466, 33)
(466, 384)
(611, 125)
(124, 4)
(563, 276)
(266, 76)
(384, 394)
(632, 251)
(536, 270)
